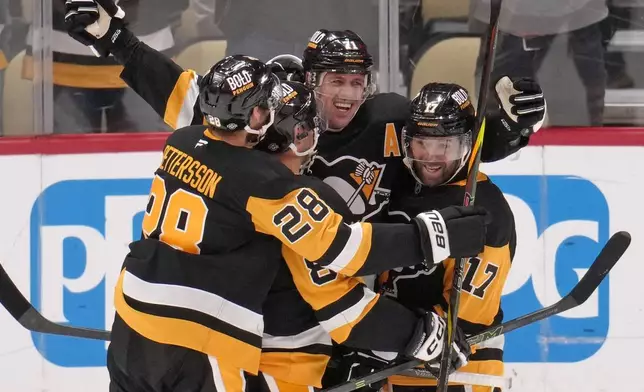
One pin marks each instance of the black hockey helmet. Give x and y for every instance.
(295, 120)
(437, 136)
(287, 67)
(232, 88)
(340, 51)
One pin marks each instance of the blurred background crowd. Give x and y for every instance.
(586, 54)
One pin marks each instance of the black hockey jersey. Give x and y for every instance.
(307, 307)
(484, 276)
(360, 162)
(223, 206)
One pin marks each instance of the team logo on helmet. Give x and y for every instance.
(315, 39)
(461, 97)
(240, 82)
(289, 93)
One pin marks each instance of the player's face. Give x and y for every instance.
(436, 159)
(340, 96)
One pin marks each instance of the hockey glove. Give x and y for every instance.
(102, 33)
(427, 343)
(78, 15)
(523, 106)
(452, 232)
(363, 363)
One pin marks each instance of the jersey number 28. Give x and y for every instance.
(180, 217)
(290, 219)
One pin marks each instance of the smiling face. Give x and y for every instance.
(437, 158)
(340, 96)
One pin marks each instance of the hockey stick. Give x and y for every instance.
(21, 310)
(605, 261)
(470, 192)
(464, 378)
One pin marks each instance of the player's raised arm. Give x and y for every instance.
(169, 89)
(305, 223)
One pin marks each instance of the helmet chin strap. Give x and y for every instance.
(309, 154)
(307, 163)
(262, 131)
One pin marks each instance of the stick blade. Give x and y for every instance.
(605, 261)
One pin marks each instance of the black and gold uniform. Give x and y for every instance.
(369, 144)
(209, 199)
(484, 276)
(438, 136)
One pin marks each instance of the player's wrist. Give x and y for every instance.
(124, 46)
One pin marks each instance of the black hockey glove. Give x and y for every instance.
(454, 231)
(523, 106)
(363, 363)
(98, 24)
(427, 344)
(78, 15)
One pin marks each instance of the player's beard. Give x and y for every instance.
(434, 173)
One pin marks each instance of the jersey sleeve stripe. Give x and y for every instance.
(340, 325)
(338, 244)
(186, 333)
(351, 295)
(179, 110)
(354, 240)
(191, 298)
(227, 378)
(315, 335)
(312, 349)
(348, 239)
(359, 257)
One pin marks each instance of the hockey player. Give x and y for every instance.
(172, 92)
(437, 143)
(190, 296)
(361, 154)
(304, 298)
